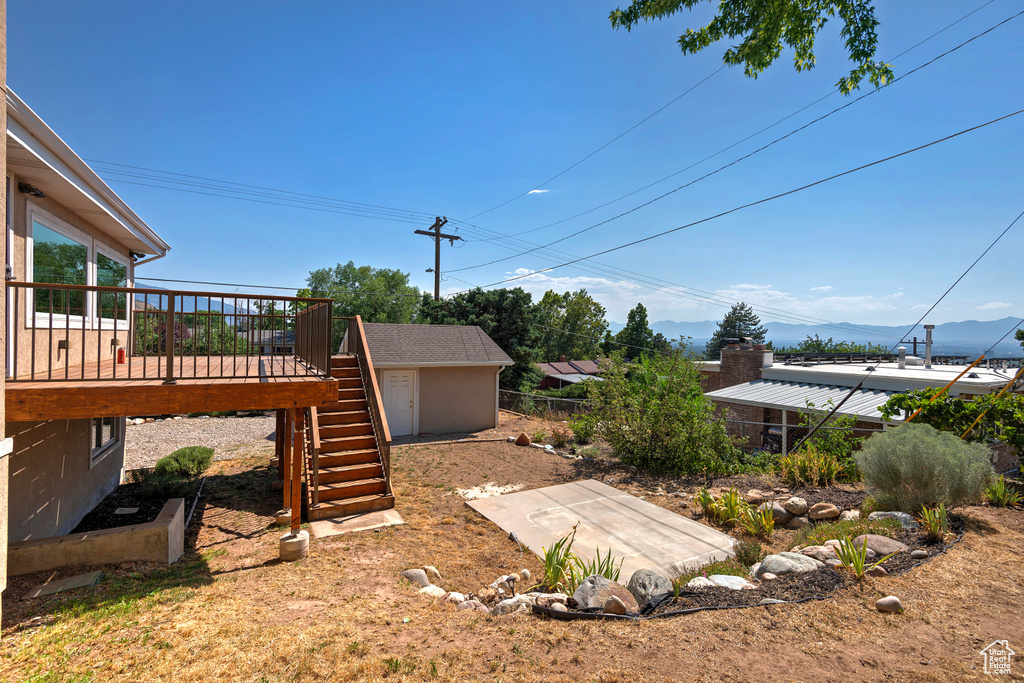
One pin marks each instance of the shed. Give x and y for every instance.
(436, 378)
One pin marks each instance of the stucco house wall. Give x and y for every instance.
(455, 399)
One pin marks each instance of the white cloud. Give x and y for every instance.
(896, 295)
(994, 305)
(537, 191)
(823, 288)
(751, 287)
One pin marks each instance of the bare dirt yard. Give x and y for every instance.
(230, 611)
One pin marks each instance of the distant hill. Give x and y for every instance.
(968, 337)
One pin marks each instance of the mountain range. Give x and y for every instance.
(967, 338)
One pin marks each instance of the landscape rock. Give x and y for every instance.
(772, 601)
(834, 563)
(700, 582)
(614, 606)
(433, 592)
(457, 598)
(510, 605)
(906, 521)
(757, 496)
(488, 594)
(919, 554)
(549, 599)
(644, 584)
(594, 591)
(778, 512)
(787, 563)
(889, 603)
(796, 506)
(876, 571)
(849, 515)
(523, 439)
(798, 523)
(882, 545)
(432, 574)
(728, 581)
(474, 605)
(822, 553)
(832, 543)
(768, 576)
(823, 511)
(559, 607)
(525, 574)
(416, 576)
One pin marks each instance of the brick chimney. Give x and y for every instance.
(561, 359)
(742, 365)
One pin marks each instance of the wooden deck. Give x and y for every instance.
(137, 387)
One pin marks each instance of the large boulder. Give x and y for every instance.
(822, 553)
(906, 521)
(728, 581)
(416, 576)
(594, 592)
(781, 515)
(510, 605)
(881, 545)
(645, 584)
(786, 563)
(796, 506)
(823, 511)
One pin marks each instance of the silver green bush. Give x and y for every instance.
(915, 465)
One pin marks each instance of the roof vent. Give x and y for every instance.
(973, 375)
(869, 369)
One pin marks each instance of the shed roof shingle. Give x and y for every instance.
(400, 344)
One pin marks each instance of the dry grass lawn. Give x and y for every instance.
(231, 612)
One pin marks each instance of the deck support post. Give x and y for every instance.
(296, 479)
(279, 436)
(286, 455)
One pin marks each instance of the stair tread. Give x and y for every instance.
(343, 502)
(341, 485)
(349, 468)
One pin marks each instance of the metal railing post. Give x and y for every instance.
(169, 341)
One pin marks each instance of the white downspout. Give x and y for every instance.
(497, 402)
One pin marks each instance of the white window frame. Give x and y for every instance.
(91, 304)
(94, 266)
(98, 453)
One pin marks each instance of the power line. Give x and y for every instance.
(768, 199)
(292, 289)
(620, 135)
(725, 166)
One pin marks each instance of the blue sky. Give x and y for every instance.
(453, 108)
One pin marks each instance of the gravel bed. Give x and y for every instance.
(230, 437)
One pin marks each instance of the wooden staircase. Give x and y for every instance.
(346, 471)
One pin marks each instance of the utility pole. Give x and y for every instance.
(435, 232)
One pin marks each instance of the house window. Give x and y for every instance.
(59, 259)
(111, 273)
(105, 433)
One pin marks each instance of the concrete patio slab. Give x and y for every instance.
(644, 535)
(66, 584)
(345, 525)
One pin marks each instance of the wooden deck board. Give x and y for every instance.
(137, 388)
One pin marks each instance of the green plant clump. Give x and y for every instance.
(934, 521)
(162, 486)
(826, 531)
(999, 495)
(749, 553)
(915, 466)
(855, 559)
(190, 461)
(810, 467)
(564, 570)
(582, 426)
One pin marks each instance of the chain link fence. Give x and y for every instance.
(782, 438)
(548, 407)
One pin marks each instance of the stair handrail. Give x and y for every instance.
(374, 401)
(314, 444)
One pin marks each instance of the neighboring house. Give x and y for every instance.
(435, 378)
(67, 389)
(270, 342)
(564, 372)
(758, 391)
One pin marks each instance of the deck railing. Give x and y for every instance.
(91, 333)
(356, 340)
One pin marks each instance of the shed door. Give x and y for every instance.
(399, 389)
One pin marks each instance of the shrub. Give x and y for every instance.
(915, 466)
(757, 522)
(559, 437)
(835, 438)
(749, 553)
(190, 461)
(162, 486)
(810, 467)
(582, 426)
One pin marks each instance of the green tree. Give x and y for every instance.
(636, 338)
(740, 321)
(1020, 337)
(573, 325)
(654, 415)
(763, 29)
(378, 295)
(816, 344)
(507, 316)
